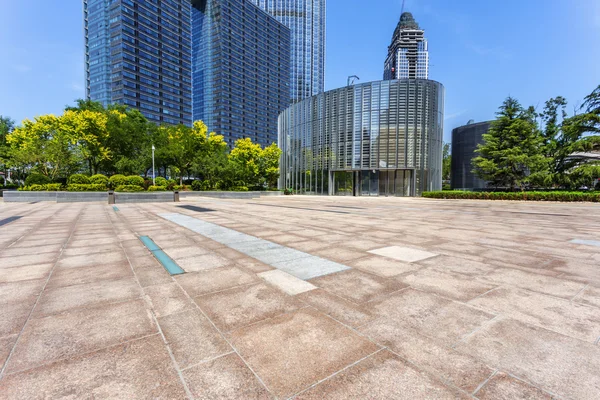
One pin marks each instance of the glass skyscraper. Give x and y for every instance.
(240, 69)
(138, 53)
(408, 55)
(306, 20)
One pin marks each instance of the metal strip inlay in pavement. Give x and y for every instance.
(586, 242)
(9, 220)
(162, 257)
(295, 262)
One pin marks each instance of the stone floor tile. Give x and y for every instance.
(167, 299)
(94, 273)
(80, 331)
(185, 252)
(341, 254)
(460, 370)
(456, 264)
(226, 377)
(234, 308)
(405, 254)
(556, 363)
(192, 337)
(505, 387)
(61, 299)
(215, 280)
(590, 296)
(230, 253)
(87, 260)
(430, 315)
(363, 244)
(6, 346)
(338, 308)
(202, 262)
(451, 285)
(27, 272)
(252, 265)
(93, 242)
(535, 282)
(140, 369)
(79, 251)
(357, 286)
(382, 376)
(19, 251)
(22, 291)
(142, 262)
(14, 315)
(576, 320)
(286, 283)
(383, 266)
(152, 275)
(309, 267)
(29, 259)
(296, 350)
(309, 246)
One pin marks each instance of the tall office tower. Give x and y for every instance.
(306, 20)
(240, 69)
(408, 57)
(138, 53)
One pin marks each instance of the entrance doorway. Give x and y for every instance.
(397, 183)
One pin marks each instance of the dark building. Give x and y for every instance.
(240, 69)
(138, 53)
(464, 143)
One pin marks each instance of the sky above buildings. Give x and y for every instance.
(482, 51)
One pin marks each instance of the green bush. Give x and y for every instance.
(178, 187)
(37, 188)
(526, 196)
(199, 186)
(288, 191)
(157, 188)
(160, 181)
(239, 189)
(53, 187)
(99, 179)
(117, 180)
(79, 179)
(1, 180)
(75, 187)
(37, 179)
(129, 188)
(135, 180)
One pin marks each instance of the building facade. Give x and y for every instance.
(379, 138)
(240, 69)
(138, 53)
(306, 20)
(465, 140)
(408, 54)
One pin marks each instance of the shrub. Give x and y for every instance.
(239, 189)
(288, 191)
(53, 187)
(157, 188)
(79, 179)
(526, 196)
(178, 187)
(1, 180)
(129, 188)
(147, 184)
(37, 188)
(160, 181)
(198, 185)
(92, 187)
(135, 180)
(99, 179)
(37, 179)
(117, 180)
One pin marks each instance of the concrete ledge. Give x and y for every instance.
(27, 197)
(145, 197)
(81, 197)
(229, 195)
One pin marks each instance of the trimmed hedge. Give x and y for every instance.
(99, 179)
(160, 181)
(37, 179)
(79, 179)
(129, 188)
(157, 188)
(135, 180)
(117, 180)
(53, 187)
(523, 196)
(74, 187)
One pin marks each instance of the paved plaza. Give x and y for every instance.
(300, 297)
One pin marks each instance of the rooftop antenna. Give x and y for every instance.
(402, 10)
(352, 79)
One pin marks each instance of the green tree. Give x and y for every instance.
(511, 153)
(269, 165)
(211, 163)
(183, 144)
(446, 162)
(7, 125)
(245, 161)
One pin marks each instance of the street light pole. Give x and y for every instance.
(153, 173)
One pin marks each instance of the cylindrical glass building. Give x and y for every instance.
(379, 138)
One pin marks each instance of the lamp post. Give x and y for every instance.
(153, 173)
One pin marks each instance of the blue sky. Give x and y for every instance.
(481, 50)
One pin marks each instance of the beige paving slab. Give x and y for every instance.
(29, 258)
(87, 260)
(79, 251)
(14, 316)
(184, 252)
(447, 284)
(192, 337)
(383, 266)
(152, 275)
(569, 318)
(590, 296)
(6, 345)
(139, 369)
(505, 387)
(357, 286)
(17, 292)
(462, 371)
(60, 299)
(433, 316)
(203, 262)
(338, 308)
(381, 377)
(286, 283)
(167, 299)
(215, 280)
(341, 254)
(65, 335)
(27, 272)
(253, 265)
(405, 254)
(102, 272)
(535, 282)
(234, 308)
(226, 377)
(556, 363)
(461, 265)
(296, 350)
(93, 242)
